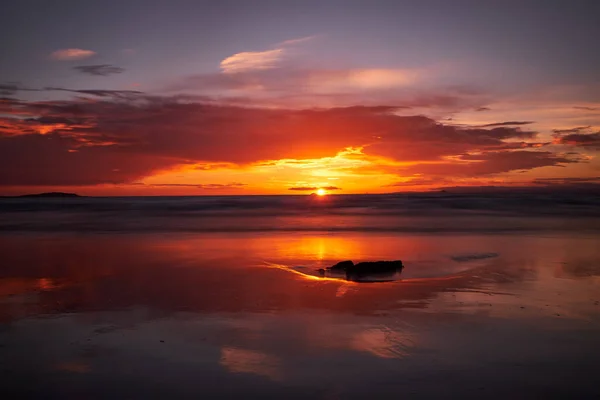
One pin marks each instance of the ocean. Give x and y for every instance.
(421, 212)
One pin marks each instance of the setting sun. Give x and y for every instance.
(321, 192)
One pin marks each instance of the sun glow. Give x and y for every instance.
(321, 192)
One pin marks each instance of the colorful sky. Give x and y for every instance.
(140, 97)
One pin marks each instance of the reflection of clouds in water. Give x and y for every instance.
(250, 362)
(383, 342)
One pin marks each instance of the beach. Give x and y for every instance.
(497, 313)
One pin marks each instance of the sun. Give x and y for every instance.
(321, 192)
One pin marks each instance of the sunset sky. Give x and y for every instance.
(141, 97)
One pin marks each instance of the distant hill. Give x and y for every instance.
(51, 194)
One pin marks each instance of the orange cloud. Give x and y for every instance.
(250, 60)
(260, 60)
(71, 54)
(361, 79)
(165, 143)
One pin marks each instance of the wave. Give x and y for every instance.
(439, 212)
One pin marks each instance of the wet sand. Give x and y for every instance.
(243, 315)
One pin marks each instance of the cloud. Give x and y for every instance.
(271, 72)
(12, 88)
(479, 109)
(50, 163)
(71, 54)
(578, 129)
(233, 185)
(273, 78)
(309, 188)
(260, 60)
(292, 42)
(490, 163)
(585, 184)
(360, 79)
(99, 70)
(8, 89)
(580, 136)
(305, 87)
(584, 108)
(567, 181)
(122, 137)
(508, 123)
(437, 182)
(589, 140)
(123, 94)
(249, 60)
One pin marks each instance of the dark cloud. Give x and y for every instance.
(122, 94)
(580, 136)
(233, 185)
(420, 138)
(39, 160)
(586, 108)
(491, 163)
(508, 123)
(589, 140)
(568, 180)
(99, 70)
(585, 184)
(482, 109)
(308, 188)
(123, 136)
(577, 129)
(8, 89)
(11, 88)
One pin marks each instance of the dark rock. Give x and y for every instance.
(341, 266)
(374, 267)
(356, 272)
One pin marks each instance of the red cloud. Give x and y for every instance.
(494, 163)
(591, 140)
(120, 137)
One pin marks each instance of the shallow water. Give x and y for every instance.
(219, 314)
